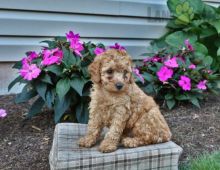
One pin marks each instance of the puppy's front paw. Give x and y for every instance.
(107, 146)
(86, 141)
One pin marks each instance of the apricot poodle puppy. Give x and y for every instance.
(133, 118)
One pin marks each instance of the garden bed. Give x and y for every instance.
(25, 144)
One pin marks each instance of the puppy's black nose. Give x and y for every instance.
(119, 86)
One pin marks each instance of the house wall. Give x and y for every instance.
(24, 23)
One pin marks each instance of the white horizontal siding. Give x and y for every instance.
(51, 24)
(141, 8)
(14, 48)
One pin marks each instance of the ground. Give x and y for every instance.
(25, 144)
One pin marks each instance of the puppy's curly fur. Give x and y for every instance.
(118, 103)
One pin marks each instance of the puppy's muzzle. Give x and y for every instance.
(119, 86)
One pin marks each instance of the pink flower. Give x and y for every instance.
(75, 43)
(152, 59)
(192, 66)
(98, 50)
(46, 53)
(32, 55)
(208, 71)
(117, 46)
(52, 56)
(25, 60)
(147, 59)
(164, 73)
(137, 73)
(155, 59)
(29, 72)
(76, 46)
(171, 63)
(71, 36)
(202, 85)
(185, 83)
(188, 45)
(2, 113)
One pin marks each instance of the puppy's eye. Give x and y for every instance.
(125, 72)
(109, 71)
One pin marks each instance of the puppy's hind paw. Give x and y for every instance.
(130, 142)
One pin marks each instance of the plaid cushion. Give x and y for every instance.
(66, 154)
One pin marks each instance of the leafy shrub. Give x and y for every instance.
(177, 74)
(58, 76)
(198, 22)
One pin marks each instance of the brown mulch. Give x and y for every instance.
(25, 144)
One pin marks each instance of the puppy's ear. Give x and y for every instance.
(94, 70)
(131, 77)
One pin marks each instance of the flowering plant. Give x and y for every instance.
(58, 75)
(195, 20)
(2, 113)
(178, 74)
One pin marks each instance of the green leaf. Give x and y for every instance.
(77, 84)
(82, 112)
(16, 80)
(60, 38)
(159, 65)
(17, 65)
(171, 24)
(177, 39)
(62, 87)
(68, 58)
(149, 89)
(184, 19)
(174, 6)
(46, 78)
(50, 97)
(197, 6)
(197, 22)
(168, 96)
(201, 48)
(86, 88)
(216, 24)
(152, 68)
(207, 32)
(182, 97)
(26, 94)
(170, 103)
(51, 44)
(177, 7)
(60, 106)
(209, 13)
(85, 72)
(195, 101)
(41, 89)
(36, 107)
(208, 60)
(148, 76)
(56, 69)
(185, 6)
(218, 52)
